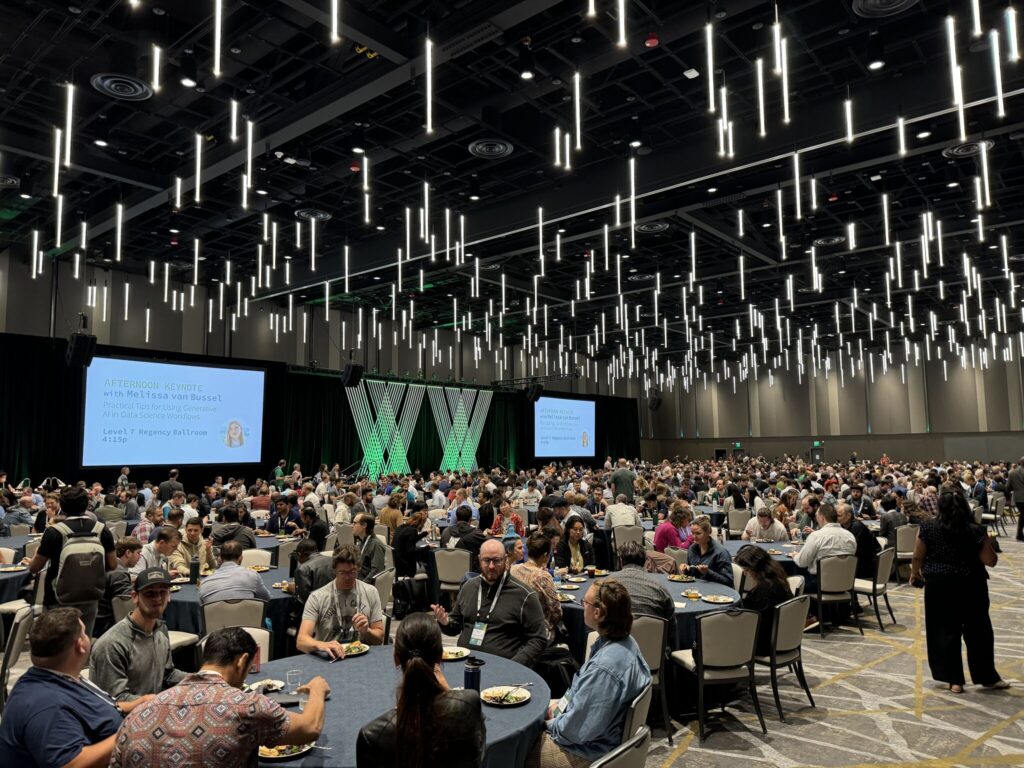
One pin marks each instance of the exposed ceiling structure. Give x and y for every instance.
(864, 197)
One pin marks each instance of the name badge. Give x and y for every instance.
(477, 636)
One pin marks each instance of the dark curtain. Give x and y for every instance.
(618, 428)
(425, 451)
(502, 441)
(317, 423)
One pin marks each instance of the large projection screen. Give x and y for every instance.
(139, 413)
(563, 427)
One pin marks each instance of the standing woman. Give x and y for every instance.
(949, 561)
(432, 724)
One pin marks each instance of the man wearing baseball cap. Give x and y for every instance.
(133, 658)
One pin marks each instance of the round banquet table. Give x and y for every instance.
(11, 584)
(184, 614)
(686, 611)
(363, 687)
(602, 543)
(788, 565)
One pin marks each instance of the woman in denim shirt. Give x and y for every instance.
(587, 722)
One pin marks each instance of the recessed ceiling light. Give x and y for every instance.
(953, 184)
(677, 276)
(712, 190)
(380, 227)
(376, 277)
(841, 272)
(174, 231)
(923, 134)
(876, 65)
(100, 142)
(261, 192)
(766, 225)
(691, 73)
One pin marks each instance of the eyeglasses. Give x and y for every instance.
(592, 605)
(491, 560)
(347, 573)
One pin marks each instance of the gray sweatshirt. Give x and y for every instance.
(128, 663)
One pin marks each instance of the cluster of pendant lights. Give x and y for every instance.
(637, 351)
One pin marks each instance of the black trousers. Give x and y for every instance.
(956, 608)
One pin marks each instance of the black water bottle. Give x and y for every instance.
(471, 676)
(193, 571)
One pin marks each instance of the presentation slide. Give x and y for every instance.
(140, 413)
(563, 427)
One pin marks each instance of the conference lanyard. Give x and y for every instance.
(353, 603)
(494, 602)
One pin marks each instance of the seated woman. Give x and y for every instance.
(404, 543)
(707, 559)
(534, 574)
(432, 725)
(574, 552)
(768, 587)
(587, 722)
(504, 519)
(675, 531)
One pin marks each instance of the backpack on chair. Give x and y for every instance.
(81, 571)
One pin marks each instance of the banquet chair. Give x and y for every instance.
(262, 637)
(737, 521)
(328, 512)
(906, 537)
(758, 503)
(738, 579)
(382, 530)
(284, 553)
(20, 529)
(994, 518)
(121, 605)
(636, 715)
(233, 613)
(331, 543)
(632, 754)
(701, 497)
(389, 556)
(118, 529)
(622, 534)
(878, 587)
(678, 554)
(836, 576)
(256, 557)
(452, 565)
(591, 639)
(7, 555)
(723, 655)
(31, 548)
(344, 533)
(11, 607)
(13, 649)
(787, 636)
(651, 635)
(384, 583)
(796, 585)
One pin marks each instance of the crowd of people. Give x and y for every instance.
(506, 605)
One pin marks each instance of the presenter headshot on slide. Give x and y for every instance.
(234, 437)
(585, 440)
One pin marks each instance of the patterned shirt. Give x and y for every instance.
(540, 581)
(142, 531)
(202, 721)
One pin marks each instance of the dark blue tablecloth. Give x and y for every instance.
(17, 543)
(11, 584)
(734, 546)
(363, 687)
(685, 630)
(184, 614)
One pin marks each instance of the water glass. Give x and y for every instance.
(294, 679)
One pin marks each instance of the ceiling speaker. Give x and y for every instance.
(81, 348)
(533, 392)
(351, 375)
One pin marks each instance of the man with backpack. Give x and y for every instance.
(80, 551)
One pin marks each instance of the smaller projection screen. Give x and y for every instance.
(563, 427)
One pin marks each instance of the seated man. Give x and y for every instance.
(647, 595)
(207, 720)
(495, 613)
(231, 529)
(313, 572)
(54, 717)
(109, 512)
(285, 518)
(621, 513)
(193, 545)
(867, 544)
(231, 581)
(133, 658)
(119, 581)
(313, 527)
(371, 558)
(157, 553)
(462, 535)
(830, 539)
(763, 527)
(152, 519)
(341, 612)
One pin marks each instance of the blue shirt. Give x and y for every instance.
(451, 512)
(276, 525)
(49, 718)
(232, 582)
(600, 694)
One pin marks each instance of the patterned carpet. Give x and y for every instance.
(876, 702)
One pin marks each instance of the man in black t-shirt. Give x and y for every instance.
(73, 503)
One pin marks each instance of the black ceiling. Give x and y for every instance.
(311, 102)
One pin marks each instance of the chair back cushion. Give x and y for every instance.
(836, 573)
(452, 564)
(636, 715)
(790, 617)
(883, 563)
(905, 537)
(649, 633)
(727, 638)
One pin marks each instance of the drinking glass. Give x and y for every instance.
(294, 679)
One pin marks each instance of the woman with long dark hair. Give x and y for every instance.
(767, 585)
(432, 725)
(950, 556)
